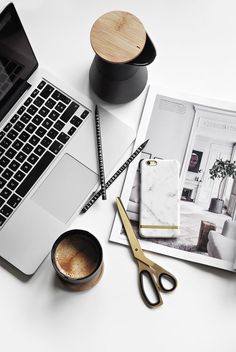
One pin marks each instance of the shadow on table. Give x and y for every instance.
(14, 271)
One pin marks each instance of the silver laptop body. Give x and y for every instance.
(69, 170)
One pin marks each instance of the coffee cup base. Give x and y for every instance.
(83, 286)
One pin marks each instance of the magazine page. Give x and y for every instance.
(201, 136)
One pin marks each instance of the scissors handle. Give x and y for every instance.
(170, 279)
(166, 281)
(157, 279)
(145, 273)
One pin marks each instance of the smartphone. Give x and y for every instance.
(159, 198)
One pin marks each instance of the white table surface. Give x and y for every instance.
(196, 53)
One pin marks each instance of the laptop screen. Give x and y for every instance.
(17, 59)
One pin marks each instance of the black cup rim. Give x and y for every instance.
(90, 237)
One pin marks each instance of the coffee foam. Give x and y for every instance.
(76, 257)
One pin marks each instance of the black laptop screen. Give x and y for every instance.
(17, 59)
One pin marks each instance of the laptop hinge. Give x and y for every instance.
(20, 87)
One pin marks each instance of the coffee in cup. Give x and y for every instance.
(77, 258)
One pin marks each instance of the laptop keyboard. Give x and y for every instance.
(31, 140)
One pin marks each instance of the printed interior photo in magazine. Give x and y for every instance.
(203, 140)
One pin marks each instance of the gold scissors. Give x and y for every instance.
(160, 279)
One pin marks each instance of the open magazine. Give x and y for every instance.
(201, 135)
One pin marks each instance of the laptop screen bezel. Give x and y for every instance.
(5, 104)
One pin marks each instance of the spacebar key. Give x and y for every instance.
(34, 174)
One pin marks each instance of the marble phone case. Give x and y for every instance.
(159, 198)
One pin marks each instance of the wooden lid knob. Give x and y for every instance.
(118, 37)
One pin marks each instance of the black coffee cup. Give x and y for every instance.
(77, 258)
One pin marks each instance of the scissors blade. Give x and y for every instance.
(134, 243)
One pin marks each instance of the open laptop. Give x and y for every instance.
(48, 158)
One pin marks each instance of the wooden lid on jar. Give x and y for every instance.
(118, 37)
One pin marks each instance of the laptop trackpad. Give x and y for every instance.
(66, 187)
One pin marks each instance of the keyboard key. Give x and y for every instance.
(63, 137)
(2, 134)
(32, 158)
(4, 86)
(37, 120)
(50, 103)
(2, 182)
(60, 107)
(2, 151)
(14, 118)
(76, 121)
(28, 101)
(21, 110)
(46, 91)
(2, 201)
(53, 115)
(21, 157)
(40, 131)
(34, 93)
(2, 78)
(46, 141)
(5, 193)
(69, 112)
(84, 114)
(19, 126)
(7, 174)
(18, 69)
(6, 211)
(25, 117)
(34, 140)
(71, 131)
(56, 147)
(17, 144)
(30, 128)
(2, 220)
(4, 161)
(52, 133)
(58, 125)
(13, 201)
(12, 184)
(35, 173)
(32, 109)
(28, 148)
(59, 96)
(19, 175)
(38, 101)
(10, 67)
(39, 150)
(12, 134)
(24, 136)
(47, 123)
(26, 167)
(41, 84)
(14, 165)
(5, 143)
(7, 127)
(44, 111)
